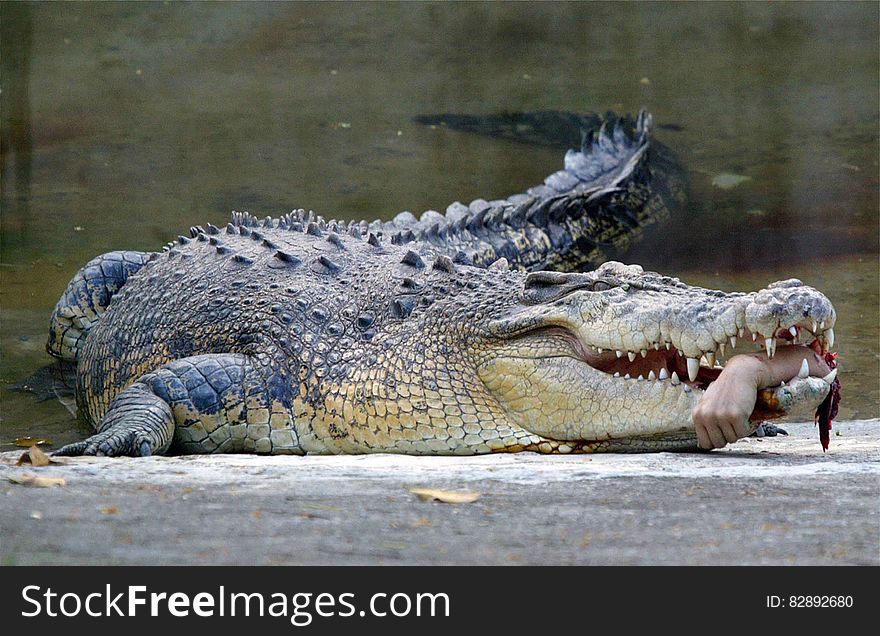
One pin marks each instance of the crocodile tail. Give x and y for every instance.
(608, 157)
(608, 143)
(587, 211)
(619, 181)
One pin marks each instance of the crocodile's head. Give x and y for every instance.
(619, 352)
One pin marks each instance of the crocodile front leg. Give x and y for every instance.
(202, 404)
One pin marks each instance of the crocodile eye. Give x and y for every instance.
(543, 287)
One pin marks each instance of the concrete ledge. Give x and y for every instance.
(772, 500)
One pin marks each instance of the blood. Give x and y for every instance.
(827, 411)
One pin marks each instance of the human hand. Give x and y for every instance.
(722, 415)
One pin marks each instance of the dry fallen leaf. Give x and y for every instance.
(35, 457)
(26, 442)
(446, 496)
(37, 481)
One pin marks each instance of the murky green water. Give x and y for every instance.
(125, 123)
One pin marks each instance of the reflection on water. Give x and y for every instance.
(123, 124)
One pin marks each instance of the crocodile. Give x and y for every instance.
(269, 337)
(301, 335)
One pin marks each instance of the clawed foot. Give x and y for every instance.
(138, 424)
(111, 443)
(768, 430)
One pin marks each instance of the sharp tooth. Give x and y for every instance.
(599, 350)
(710, 358)
(656, 346)
(644, 352)
(640, 378)
(722, 347)
(668, 346)
(830, 377)
(813, 326)
(733, 342)
(754, 336)
(664, 374)
(617, 374)
(693, 368)
(741, 332)
(770, 346)
(829, 335)
(631, 355)
(675, 379)
(804, 370)
(618, 353)
(687, 389)
(782, 383)
(822, 325)
(626, 377)
(652, 375)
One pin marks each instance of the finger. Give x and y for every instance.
(717, 437)
(728, 431)
(742, 428)
(702, 436)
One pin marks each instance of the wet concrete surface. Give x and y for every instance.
(775, 501)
